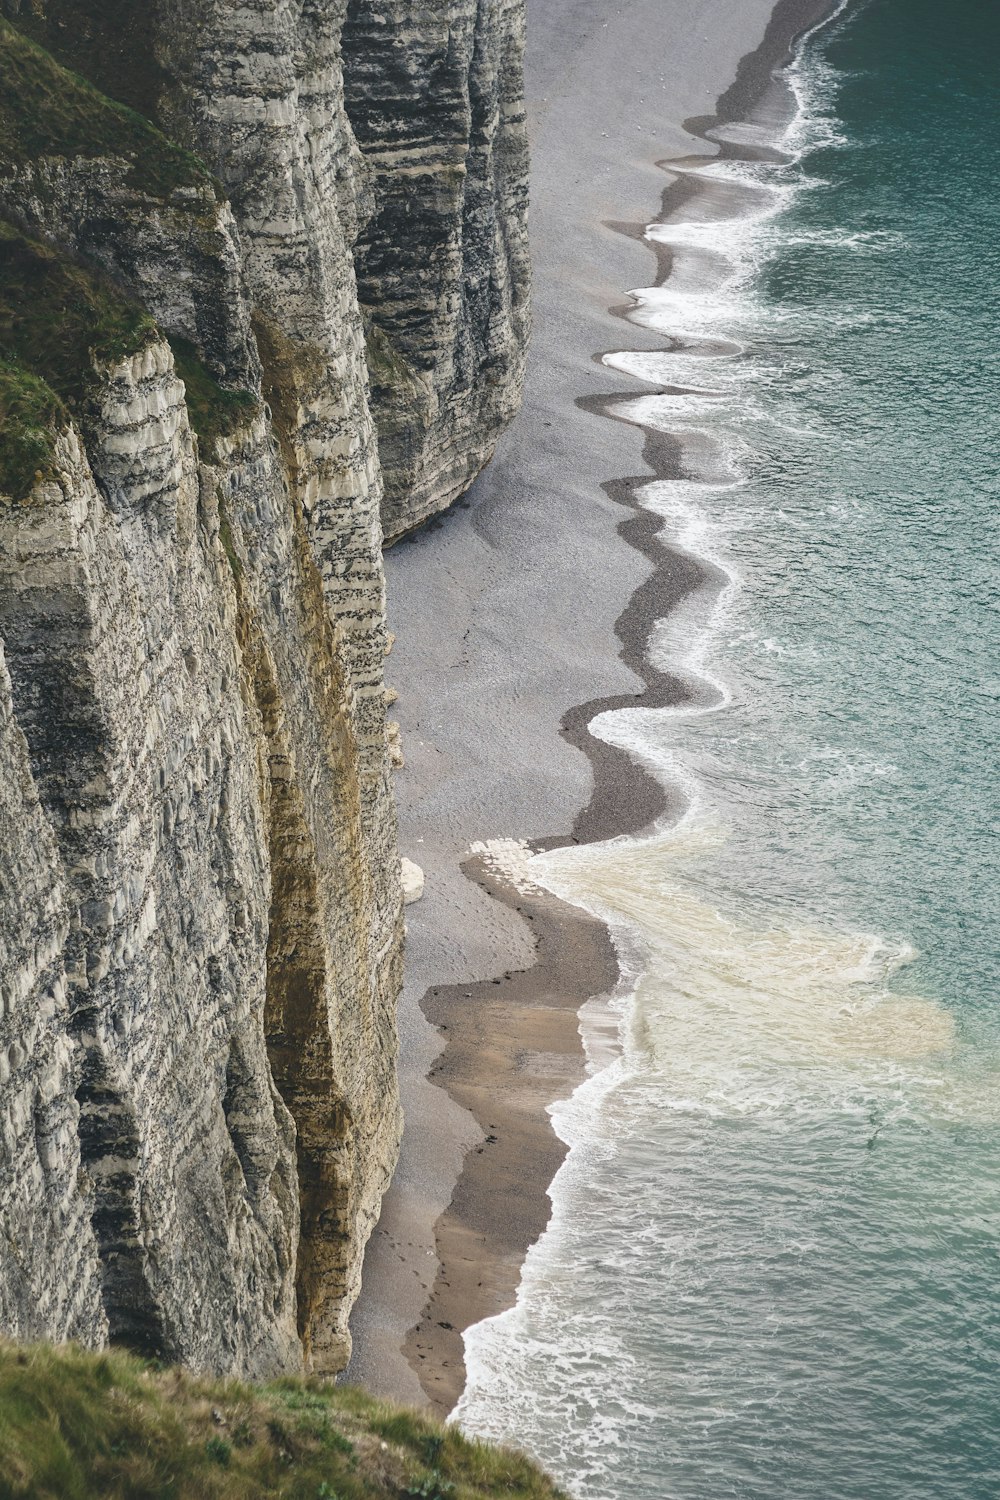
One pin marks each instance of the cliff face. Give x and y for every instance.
(200, 925)
(434, 94)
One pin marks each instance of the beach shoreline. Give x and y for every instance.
(496, 977)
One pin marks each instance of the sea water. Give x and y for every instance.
(773, 1267)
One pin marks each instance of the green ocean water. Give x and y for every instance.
(773, 1269)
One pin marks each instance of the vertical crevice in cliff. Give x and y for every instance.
(109, 1154)
(299, 1012)
(299, 1041)
(486, 254)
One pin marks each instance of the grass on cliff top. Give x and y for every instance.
(57, 318)
(48, 110)
(81, 1426)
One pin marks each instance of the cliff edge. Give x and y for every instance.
(85, 1426)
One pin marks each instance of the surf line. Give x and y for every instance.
(679, 569)
(479, 1271)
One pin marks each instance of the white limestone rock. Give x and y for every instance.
(412, 878)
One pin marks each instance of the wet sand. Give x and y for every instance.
(536, 593)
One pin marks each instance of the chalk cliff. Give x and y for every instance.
(200, 904)
(435, 100)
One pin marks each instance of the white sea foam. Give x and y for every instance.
(739, 1017)
(510, 859)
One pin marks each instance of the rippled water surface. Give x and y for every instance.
(773, 1268)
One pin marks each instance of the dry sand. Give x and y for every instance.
(518, 616)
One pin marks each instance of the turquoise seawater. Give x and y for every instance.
(773, 1269)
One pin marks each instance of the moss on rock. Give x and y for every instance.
(213, 411)
(48, 110)
(57, 319)
(60, 321)
(30, 415)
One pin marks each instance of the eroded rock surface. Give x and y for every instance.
(200, 898)
(434, 93)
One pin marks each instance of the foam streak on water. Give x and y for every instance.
(771, 1267)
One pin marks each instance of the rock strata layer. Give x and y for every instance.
(435, 97)
(200, 897)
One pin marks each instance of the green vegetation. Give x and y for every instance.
(213, 411)
(80, 1426)
(113, 44)
(56, 319)
(387, 368)
(48, 110)
(30, 414)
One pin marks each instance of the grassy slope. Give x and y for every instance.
(81, 1426)
(48, 110)
(111, 42)
(57, 317)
